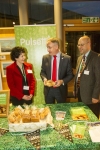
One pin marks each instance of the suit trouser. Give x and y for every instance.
(53, 95)
(94, 106)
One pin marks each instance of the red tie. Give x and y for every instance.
(54, 69)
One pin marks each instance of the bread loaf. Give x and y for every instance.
(26, 116)
(35, 117)
(44, 113)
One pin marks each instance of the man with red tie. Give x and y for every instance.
(56, 72)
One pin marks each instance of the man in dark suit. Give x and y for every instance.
(55, 89)
(88, 88)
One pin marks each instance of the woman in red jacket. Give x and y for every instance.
(20, 78)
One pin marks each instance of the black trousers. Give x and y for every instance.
(94, 106)
(54, 94)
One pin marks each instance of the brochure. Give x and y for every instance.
(94, 131)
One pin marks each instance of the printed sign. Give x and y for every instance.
(34, 38)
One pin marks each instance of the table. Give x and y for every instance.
(50, 139)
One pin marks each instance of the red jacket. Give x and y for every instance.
(15, 80)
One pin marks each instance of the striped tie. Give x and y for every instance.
(81, 68)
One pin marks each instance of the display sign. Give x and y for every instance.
(4, 103)
(3, 98)
(90, 19)
(34, 38)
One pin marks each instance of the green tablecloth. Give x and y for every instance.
(50, 139)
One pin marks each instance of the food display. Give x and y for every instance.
(78, 114)
(29, 118)
(60, 115)
(60, 130)
(79, 131)
(20, 115)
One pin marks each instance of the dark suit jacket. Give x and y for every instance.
(15, 80)
(65, 72)
(89, 84)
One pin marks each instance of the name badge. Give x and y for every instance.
(25, 87)
(29, 71)
(86, 72)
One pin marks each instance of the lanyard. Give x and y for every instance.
(23, 73)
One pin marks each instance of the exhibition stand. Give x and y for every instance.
(61, 136)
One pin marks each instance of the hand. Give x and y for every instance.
(58, 83)
(95, 100)
(27, 97)
(30, 96)
(45, 81)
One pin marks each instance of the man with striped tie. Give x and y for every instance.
(87, 81)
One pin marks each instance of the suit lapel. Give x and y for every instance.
(89, 58)
(15, 68)
(60, 64)
(26, 67)
(49, 66)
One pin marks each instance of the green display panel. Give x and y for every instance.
(34, 39)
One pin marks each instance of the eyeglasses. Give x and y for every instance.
(81, 44)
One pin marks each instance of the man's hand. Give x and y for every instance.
(58, 83)
(45, 81)
(95, 100)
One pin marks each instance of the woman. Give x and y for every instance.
(20, 78)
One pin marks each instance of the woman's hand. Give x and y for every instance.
(27, 97)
